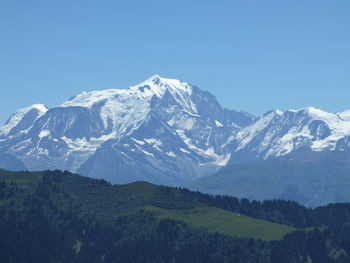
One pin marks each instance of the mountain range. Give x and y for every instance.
(162, 130)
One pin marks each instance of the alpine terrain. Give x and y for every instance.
(170, 132)
(278, 133)
(162, 130)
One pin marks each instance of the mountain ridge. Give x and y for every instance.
(278, 133)
(309, 178)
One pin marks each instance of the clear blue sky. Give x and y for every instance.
(253, 55)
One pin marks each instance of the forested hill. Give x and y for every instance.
(56, 216)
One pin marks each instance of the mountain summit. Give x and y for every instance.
(161, 130)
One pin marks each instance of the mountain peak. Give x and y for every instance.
(166, 83)
(274, 112)
(155, 77)
(318, 114)
(16, 118)
(155, 85)
(19, 114)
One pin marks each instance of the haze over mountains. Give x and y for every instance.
(164, 131)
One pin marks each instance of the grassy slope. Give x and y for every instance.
(106, 202)
(218, 220)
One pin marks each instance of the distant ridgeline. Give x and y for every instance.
(56, 216)
(310, 178)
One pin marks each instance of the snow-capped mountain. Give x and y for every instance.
(278, 133)
(162, 130)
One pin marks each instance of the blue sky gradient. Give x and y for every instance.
(253, 55)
